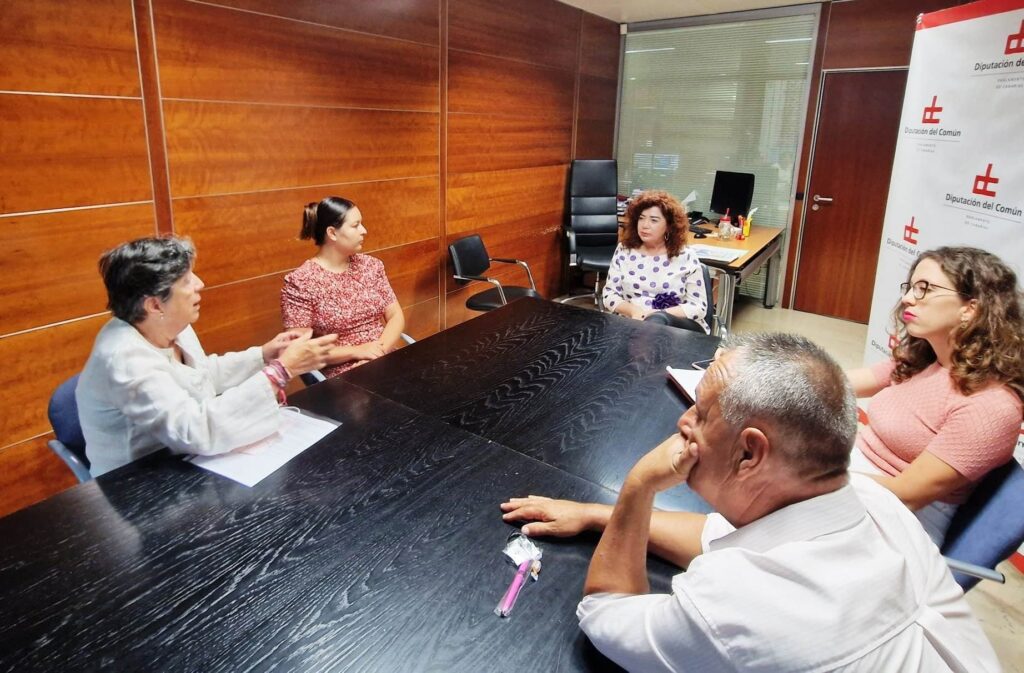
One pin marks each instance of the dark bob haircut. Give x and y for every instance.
(146, 267)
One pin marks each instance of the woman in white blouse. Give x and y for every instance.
(652, 275)
(148, 383)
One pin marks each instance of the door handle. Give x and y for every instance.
(822, 199)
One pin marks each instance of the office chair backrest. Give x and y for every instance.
(469, 256)
(592, 201)
(63, 413)
(709, 315)
(990, 525)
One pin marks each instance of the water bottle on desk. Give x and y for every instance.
(725, 227)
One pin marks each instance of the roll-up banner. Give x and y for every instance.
(958, 173)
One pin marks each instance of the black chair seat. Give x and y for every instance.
(489, 300)
(595, 258)
(471, 261)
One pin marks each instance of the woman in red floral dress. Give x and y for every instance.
(340, 290)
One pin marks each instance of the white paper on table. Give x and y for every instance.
(249, 465)
(690, 198)
(686, 380)
(717, 254)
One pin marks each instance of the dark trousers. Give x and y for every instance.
(665, 318)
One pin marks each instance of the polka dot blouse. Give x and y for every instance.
(644, 280)
(350, 303)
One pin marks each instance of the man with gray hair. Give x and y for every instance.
(802, 567)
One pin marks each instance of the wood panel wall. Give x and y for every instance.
(854, 34)
(219, 120)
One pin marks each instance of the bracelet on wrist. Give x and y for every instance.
(277, 374)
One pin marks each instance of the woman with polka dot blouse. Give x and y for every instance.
(340, 290)
(652, 275)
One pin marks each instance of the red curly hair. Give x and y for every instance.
(676, 222)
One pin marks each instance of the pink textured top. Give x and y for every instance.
(350, 303)
(971, 433)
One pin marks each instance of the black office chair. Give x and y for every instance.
(987, 528)
(469, 257)
(592, 225)
(709, 316)
(70, 443)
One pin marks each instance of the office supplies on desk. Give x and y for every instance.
(686, 381)
(526, 555)
(508, 601)
(249, 465)
(717, 254)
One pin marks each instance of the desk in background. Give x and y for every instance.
(377, 549)
(763, 246)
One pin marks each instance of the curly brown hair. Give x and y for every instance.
(989, 348)
(676, 222)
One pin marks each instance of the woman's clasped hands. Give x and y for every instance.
(299, 351)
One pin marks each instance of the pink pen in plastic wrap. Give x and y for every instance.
(508, 601)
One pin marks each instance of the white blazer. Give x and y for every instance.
(134, 398)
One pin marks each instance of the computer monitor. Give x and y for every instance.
(732, 191)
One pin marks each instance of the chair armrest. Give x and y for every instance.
(312, 377)
(974, 570)
(505, 260)
(570, 235)
(493, 281)
(73, 462)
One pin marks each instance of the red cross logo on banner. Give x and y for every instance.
(1015, 41)
(982, 182)
(931, 112)
(909, 231)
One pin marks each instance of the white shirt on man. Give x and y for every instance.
(134, 398)
(847, 581)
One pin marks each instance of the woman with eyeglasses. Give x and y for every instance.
(947, 407)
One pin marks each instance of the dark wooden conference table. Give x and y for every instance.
(377, 549)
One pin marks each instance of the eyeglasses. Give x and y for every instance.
(923, 287)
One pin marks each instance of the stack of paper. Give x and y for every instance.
(251, 464)
(717, 254)
(686, 380)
